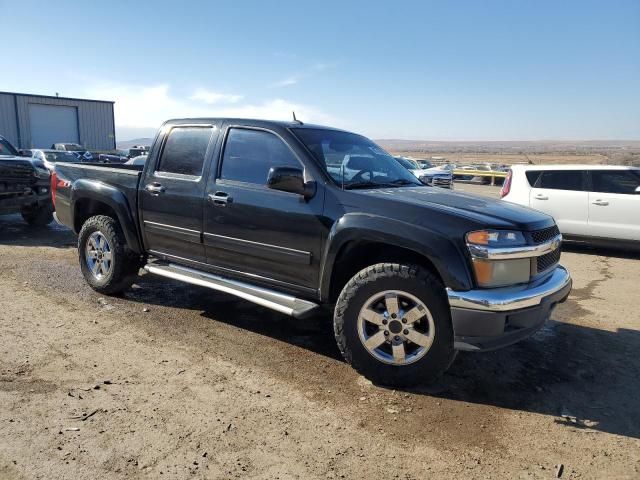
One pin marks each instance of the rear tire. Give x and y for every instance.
(107, 264)
(401, 342)
(38, 216)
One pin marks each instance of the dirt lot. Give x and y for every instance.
(174, 381)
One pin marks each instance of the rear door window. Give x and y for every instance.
(184, 150)
(560, 180)
(615, 181)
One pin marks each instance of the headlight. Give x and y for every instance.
(496, 238)
(497, 272)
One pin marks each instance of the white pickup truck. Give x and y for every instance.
(594, 203)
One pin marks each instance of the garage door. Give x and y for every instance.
(52, 124)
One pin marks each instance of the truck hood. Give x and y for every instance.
(486, 211)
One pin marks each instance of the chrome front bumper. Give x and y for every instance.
(485, 319)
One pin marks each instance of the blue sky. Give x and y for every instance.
(456, 70)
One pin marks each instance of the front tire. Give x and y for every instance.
(107, 265)
(393, 325)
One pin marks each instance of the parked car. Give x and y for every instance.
(50, 157)
(424, 164)
(594, 203)
(295, 217)
(24, 186)
(139, 160)
(138, 150)
(82, 153)
(434, 176)
(111, 158)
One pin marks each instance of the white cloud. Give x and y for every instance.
(308, 72)
(292, 80)
(209, 96)
(146, 107)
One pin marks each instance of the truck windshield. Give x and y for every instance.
(7, 149)
(354, 161)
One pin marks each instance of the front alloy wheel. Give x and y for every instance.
(396, 327)
(393, 325)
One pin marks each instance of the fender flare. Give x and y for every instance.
(112, 197)
(449, 261)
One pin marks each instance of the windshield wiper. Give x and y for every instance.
(354, 185)
(394, 183)
(403, 181)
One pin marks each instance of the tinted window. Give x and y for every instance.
(406, 163)
(615, 181)
(184, 150)
(560, 180)
(249, 154)
(532, 176)
(6, 148)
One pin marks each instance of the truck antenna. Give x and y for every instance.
(296, 120)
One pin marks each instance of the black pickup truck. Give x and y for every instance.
(24, 186)
(296, 217)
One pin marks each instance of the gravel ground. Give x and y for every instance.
(175, 381)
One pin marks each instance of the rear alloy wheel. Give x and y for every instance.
(107, 264)
(98, 255)
(392, 324)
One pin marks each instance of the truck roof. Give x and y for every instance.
(251, 121)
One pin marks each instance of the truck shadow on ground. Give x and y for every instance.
(14, 231)
(585, 377)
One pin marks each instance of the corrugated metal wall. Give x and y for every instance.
(8, 123)
(95, 120)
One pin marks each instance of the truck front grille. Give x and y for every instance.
(544, 235)
(547, 261)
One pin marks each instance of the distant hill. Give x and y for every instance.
(136, 141)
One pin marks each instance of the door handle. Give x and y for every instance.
(219, 198)
(602, 203)
(154, 188)
(539, 196)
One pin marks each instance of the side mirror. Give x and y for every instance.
(290, 179)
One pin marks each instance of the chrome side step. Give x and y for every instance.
(280, 302)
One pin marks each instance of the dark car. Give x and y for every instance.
(297, 217)
(24, 186)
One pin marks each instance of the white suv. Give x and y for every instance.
(588, 202)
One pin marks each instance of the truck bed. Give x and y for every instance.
(123, 178)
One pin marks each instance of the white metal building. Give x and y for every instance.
(38, 121)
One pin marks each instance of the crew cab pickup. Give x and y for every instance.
(296, 217)
(24, 186)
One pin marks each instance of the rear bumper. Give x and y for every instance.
(486, 319)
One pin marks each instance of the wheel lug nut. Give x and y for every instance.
(385, 321)
(386, 334)
(406, 332)
(393, 315)
(404, 320)
(396, 338)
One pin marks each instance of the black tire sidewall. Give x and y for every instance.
(123, 266)
(431, 292)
